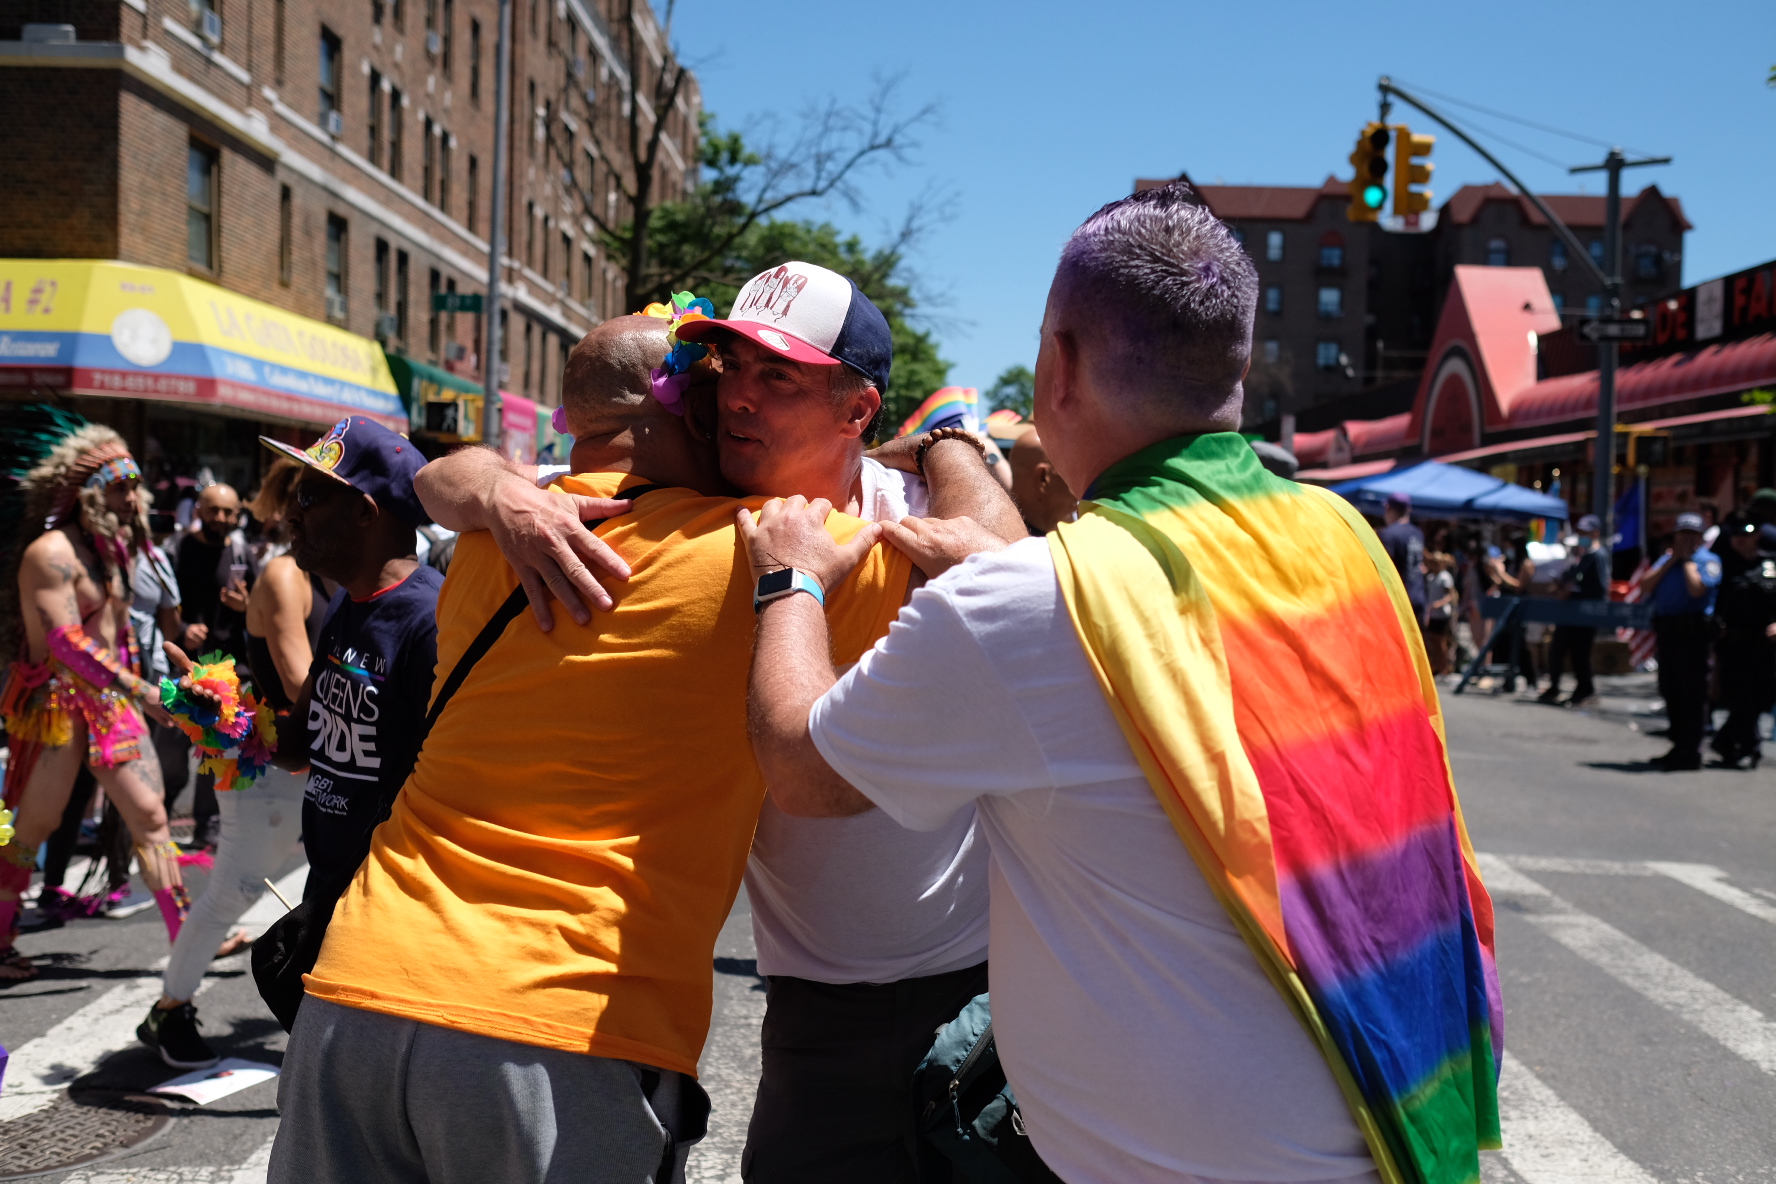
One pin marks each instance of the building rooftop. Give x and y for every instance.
(1275, 203)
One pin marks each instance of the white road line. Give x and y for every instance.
(1580, 867)
(252, 1171)
(1739, 1027)
(1713, 882)
(40, 1068)
(1548, 1142)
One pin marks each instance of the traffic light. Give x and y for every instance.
(1368, 188)
(1409, 171)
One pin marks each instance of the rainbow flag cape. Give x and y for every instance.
(1257, 648)
(947, 407)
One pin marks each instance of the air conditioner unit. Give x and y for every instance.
(579, 68)
(388, 326)
(210, 27)
(335, 123)
(591, 96)
(335, 306)
(434, 43)
(455, 351)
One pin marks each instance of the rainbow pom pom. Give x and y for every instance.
(235, 735)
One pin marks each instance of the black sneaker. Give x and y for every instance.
(1677, 762)
(172, 1032)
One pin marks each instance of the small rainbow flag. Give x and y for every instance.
(948, 407)
(1005, 424)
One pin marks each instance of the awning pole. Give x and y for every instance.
(491, 419)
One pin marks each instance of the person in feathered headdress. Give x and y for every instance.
(73, 518)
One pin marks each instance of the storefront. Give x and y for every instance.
(189, 372)
(445, 411)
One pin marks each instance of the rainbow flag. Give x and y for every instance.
(1005, 424)
(1258, 649)
(947, 407)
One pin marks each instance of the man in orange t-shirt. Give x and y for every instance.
(518, 980)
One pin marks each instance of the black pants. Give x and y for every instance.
(1572, 643)
(1748, 684)
(835, 1100)
(1683, 677)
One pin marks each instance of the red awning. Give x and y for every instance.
(1367, 468)
(1712, 370)
(1369, 436)
(1530, 445)
(1314, 447)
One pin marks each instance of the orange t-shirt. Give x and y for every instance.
(557, 867)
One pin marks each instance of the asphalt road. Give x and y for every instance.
(1637, 949)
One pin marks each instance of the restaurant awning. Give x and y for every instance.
(1439, 490)
(94, 327)
(421, 383)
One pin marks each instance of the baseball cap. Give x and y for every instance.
(1587, 524)
(1690, 522)
(368, 457)
(808, 313)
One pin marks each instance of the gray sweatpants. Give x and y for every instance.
(371, 1097)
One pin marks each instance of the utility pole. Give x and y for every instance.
(492, 421)
(1603, 484)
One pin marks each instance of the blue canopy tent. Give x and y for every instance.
(1449, 491)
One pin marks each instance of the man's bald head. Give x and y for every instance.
(606, 386)
(219, 495)
(1038, 490)
(218, 511)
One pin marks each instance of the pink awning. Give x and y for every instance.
(1712, 370)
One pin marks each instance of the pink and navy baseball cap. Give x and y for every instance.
(369, 458)
(809, 314)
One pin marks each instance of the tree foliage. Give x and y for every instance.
(1014, 390)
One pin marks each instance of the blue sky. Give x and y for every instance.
(1046, 111)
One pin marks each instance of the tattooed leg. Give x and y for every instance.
(135, 788)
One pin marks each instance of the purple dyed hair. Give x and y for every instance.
(1166, 296)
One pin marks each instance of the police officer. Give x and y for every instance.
(1682, 586)
(1587, 578)
(1746, 653)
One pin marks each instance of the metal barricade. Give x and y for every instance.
(1519, 611)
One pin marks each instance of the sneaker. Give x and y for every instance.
(1550, 696)
(172, 1032)
(1677, 762)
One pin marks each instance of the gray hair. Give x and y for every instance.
(1166, 296)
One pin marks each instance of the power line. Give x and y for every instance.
(1541, 127)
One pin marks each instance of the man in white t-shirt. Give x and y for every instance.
(1142, 1038)
(871, 936)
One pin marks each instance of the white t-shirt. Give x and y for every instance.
(1142, 1039)
(863, 899)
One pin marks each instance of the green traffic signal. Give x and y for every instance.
(1374, 196)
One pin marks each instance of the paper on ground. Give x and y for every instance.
(207, 1085)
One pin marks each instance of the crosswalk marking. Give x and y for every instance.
(40, 1068)
(1736, 1025)
(1713, 882)
(251, 1171)
(1548, 1142)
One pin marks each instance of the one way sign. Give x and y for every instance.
(1627, 329)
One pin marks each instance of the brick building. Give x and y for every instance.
(1347, 310)
(334, 157)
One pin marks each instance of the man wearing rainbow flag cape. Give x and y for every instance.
(1237, 932)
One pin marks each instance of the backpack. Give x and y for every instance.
(966, 1108)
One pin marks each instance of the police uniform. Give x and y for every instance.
(1683, 624)
(1746, 654)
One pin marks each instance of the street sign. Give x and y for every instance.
(1626, 329)
(456, 302)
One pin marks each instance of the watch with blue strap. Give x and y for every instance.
(784, 582)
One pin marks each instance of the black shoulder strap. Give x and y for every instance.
(490, 632)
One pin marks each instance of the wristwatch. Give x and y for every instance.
(786, 581)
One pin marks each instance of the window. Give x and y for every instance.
(434, 318)
(398, 10)
(1273, 350)
(200, 206)
(1273, 299)
(474, 188)
(530, 141)
(444, 170)
(450, 318)
(530, 221)
(1557, 255)
(376, 12)
(336, 260)
(474, 61)
(277, 41)
(527, 343)
(1596, 248)
(374, 119)
(401, 272)
(431, 10)
(429, 157)
(286, 234)
(1332, 250)
(1498, 253)
(546, 225)
(332, 64)
(1273, 246)
(1239, 236)
(382, 275)
(586, 279)
(566, 264)
(533, 33)
(397, 107)
(1559, 302)
(449, 25)
(1646, 262)
(1593, 304)
(1331, 302)
(1326, 355)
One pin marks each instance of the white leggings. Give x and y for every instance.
(260, 828)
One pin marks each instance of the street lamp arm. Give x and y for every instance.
(1571, 240)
